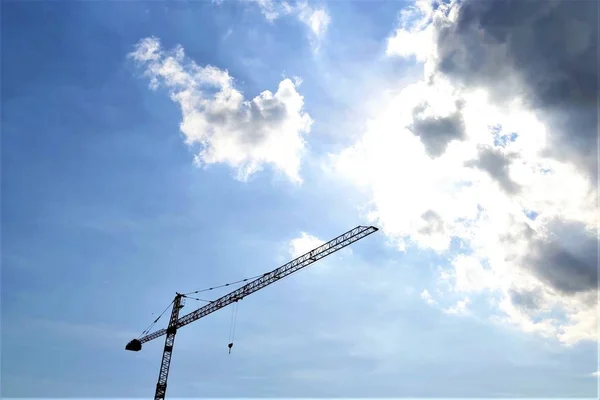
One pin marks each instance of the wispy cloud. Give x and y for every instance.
(460, 308)
(245, 134)
(303, 244)
(425, 295)
(306, 242)
(316, 19)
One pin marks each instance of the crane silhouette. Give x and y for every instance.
(262, 281)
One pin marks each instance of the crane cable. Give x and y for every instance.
(186, 295)
(195, 298)
(224, 285)
(156, 320)
(234, 312)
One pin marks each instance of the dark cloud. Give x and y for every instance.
(437, 132)
(527, 300)
(520, 232)
(565, 260)
(545, 51)
(568, 260)
(496, 165)
(267, 109)
(256, 118)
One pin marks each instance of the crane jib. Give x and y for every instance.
(266, 279)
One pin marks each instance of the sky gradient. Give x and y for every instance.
(150, 148)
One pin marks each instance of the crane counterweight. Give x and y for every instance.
(134, 345)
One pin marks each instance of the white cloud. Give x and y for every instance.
(414, 36)
(303, 244)
(427, 297)
(522, 319)
(470, 276)
(405, 44)
(316, 19)
(447, 160)
(582, 324)
(244, 134)
(269, 9)
(460, 308)
(596, 374)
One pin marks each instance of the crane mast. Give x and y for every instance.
(161, 385)
(175, 322)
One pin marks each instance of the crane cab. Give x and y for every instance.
(134, 345)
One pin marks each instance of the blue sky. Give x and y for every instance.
(105, 214)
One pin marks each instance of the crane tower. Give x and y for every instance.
(175, 322)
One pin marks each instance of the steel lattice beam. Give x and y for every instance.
(295, 265)
(175, 322)
(161, 385)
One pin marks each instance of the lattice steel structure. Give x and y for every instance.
(161, 385)
(266, 279)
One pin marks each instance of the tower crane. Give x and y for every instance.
(175, 322)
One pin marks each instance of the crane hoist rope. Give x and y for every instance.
(234, 312)
(260, 282)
